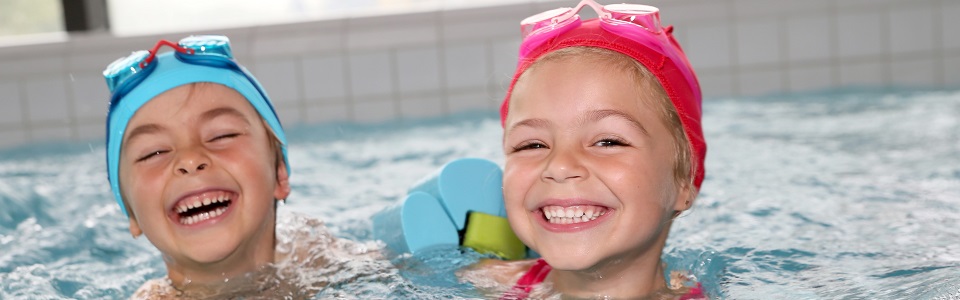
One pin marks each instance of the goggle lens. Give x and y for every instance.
(213, 50)
(545, 21)
(208, 45)
(645, 16)
(121, 69)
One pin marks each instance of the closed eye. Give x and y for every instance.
(224, 136)
(530, 145)
(151, 155)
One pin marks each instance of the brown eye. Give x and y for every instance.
(610, 142)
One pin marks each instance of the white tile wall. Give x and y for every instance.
(809, 37)
(327, 113)
(12, 112)
(472, 31)
(862, 74)
(466, 65)
(504, 61)
(950, 23)
(90, 97)
(911, 29)
(914, 72)
(951, 67)
(91, 131)
(418, 70)
(371, 73)
(47, 100)
(710, 46)
(77, 65)
(766, 8)
(12, 137)
(860, 34)
(763, 82)
(289, 40)
(716, 84)
(281, 79)
(857, 4)
(694, 12)
(421, 106)
(759, 42)
(470, 101)
(18, 67)
(289, 114)
(374, 110)
(389, 31)
(324, 79)
(48, 134)
(810, 78)
(424, 64)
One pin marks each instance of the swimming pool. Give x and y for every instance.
(848, 194)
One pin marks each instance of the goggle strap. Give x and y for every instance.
(156, 48)
(601, 12)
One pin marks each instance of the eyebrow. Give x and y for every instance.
(142, 130)
(220, 111)
(208, 115)
(592, 116)
(597, 115)
(535, 123)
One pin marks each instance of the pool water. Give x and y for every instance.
(847, 194)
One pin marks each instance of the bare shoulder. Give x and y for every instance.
(494, 273)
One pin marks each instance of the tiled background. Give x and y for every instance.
(409, 66)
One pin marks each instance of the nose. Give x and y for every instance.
(564, 165)
(191, 161)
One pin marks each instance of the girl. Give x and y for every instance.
(604, 149)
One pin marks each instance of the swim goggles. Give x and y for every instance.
(136, 79)
(640, 23)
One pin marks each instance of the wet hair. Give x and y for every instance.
(649, 89)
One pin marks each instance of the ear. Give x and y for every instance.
(135, 230)
(282, 190)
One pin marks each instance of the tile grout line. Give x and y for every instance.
(833, 21)
(442, 64)
(347, 81)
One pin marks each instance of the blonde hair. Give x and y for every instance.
(648, 87)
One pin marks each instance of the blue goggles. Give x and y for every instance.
(136, 79)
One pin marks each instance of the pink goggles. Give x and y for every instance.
(640, 23)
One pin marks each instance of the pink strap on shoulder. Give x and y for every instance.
(694, 293)
(537, 273)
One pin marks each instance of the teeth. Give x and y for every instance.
(202, 217)
(197, 202)
(572, 215)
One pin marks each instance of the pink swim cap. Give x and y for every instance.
(659, 53)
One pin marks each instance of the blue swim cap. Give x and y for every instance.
(170, 72)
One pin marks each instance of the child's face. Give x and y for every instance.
(202, 145)
(581, 139)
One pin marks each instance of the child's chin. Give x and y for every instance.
(209, 254)
(569, 261)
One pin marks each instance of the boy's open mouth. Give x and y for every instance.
(203, 207)
(572, 214)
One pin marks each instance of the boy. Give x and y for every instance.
(197, 160)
